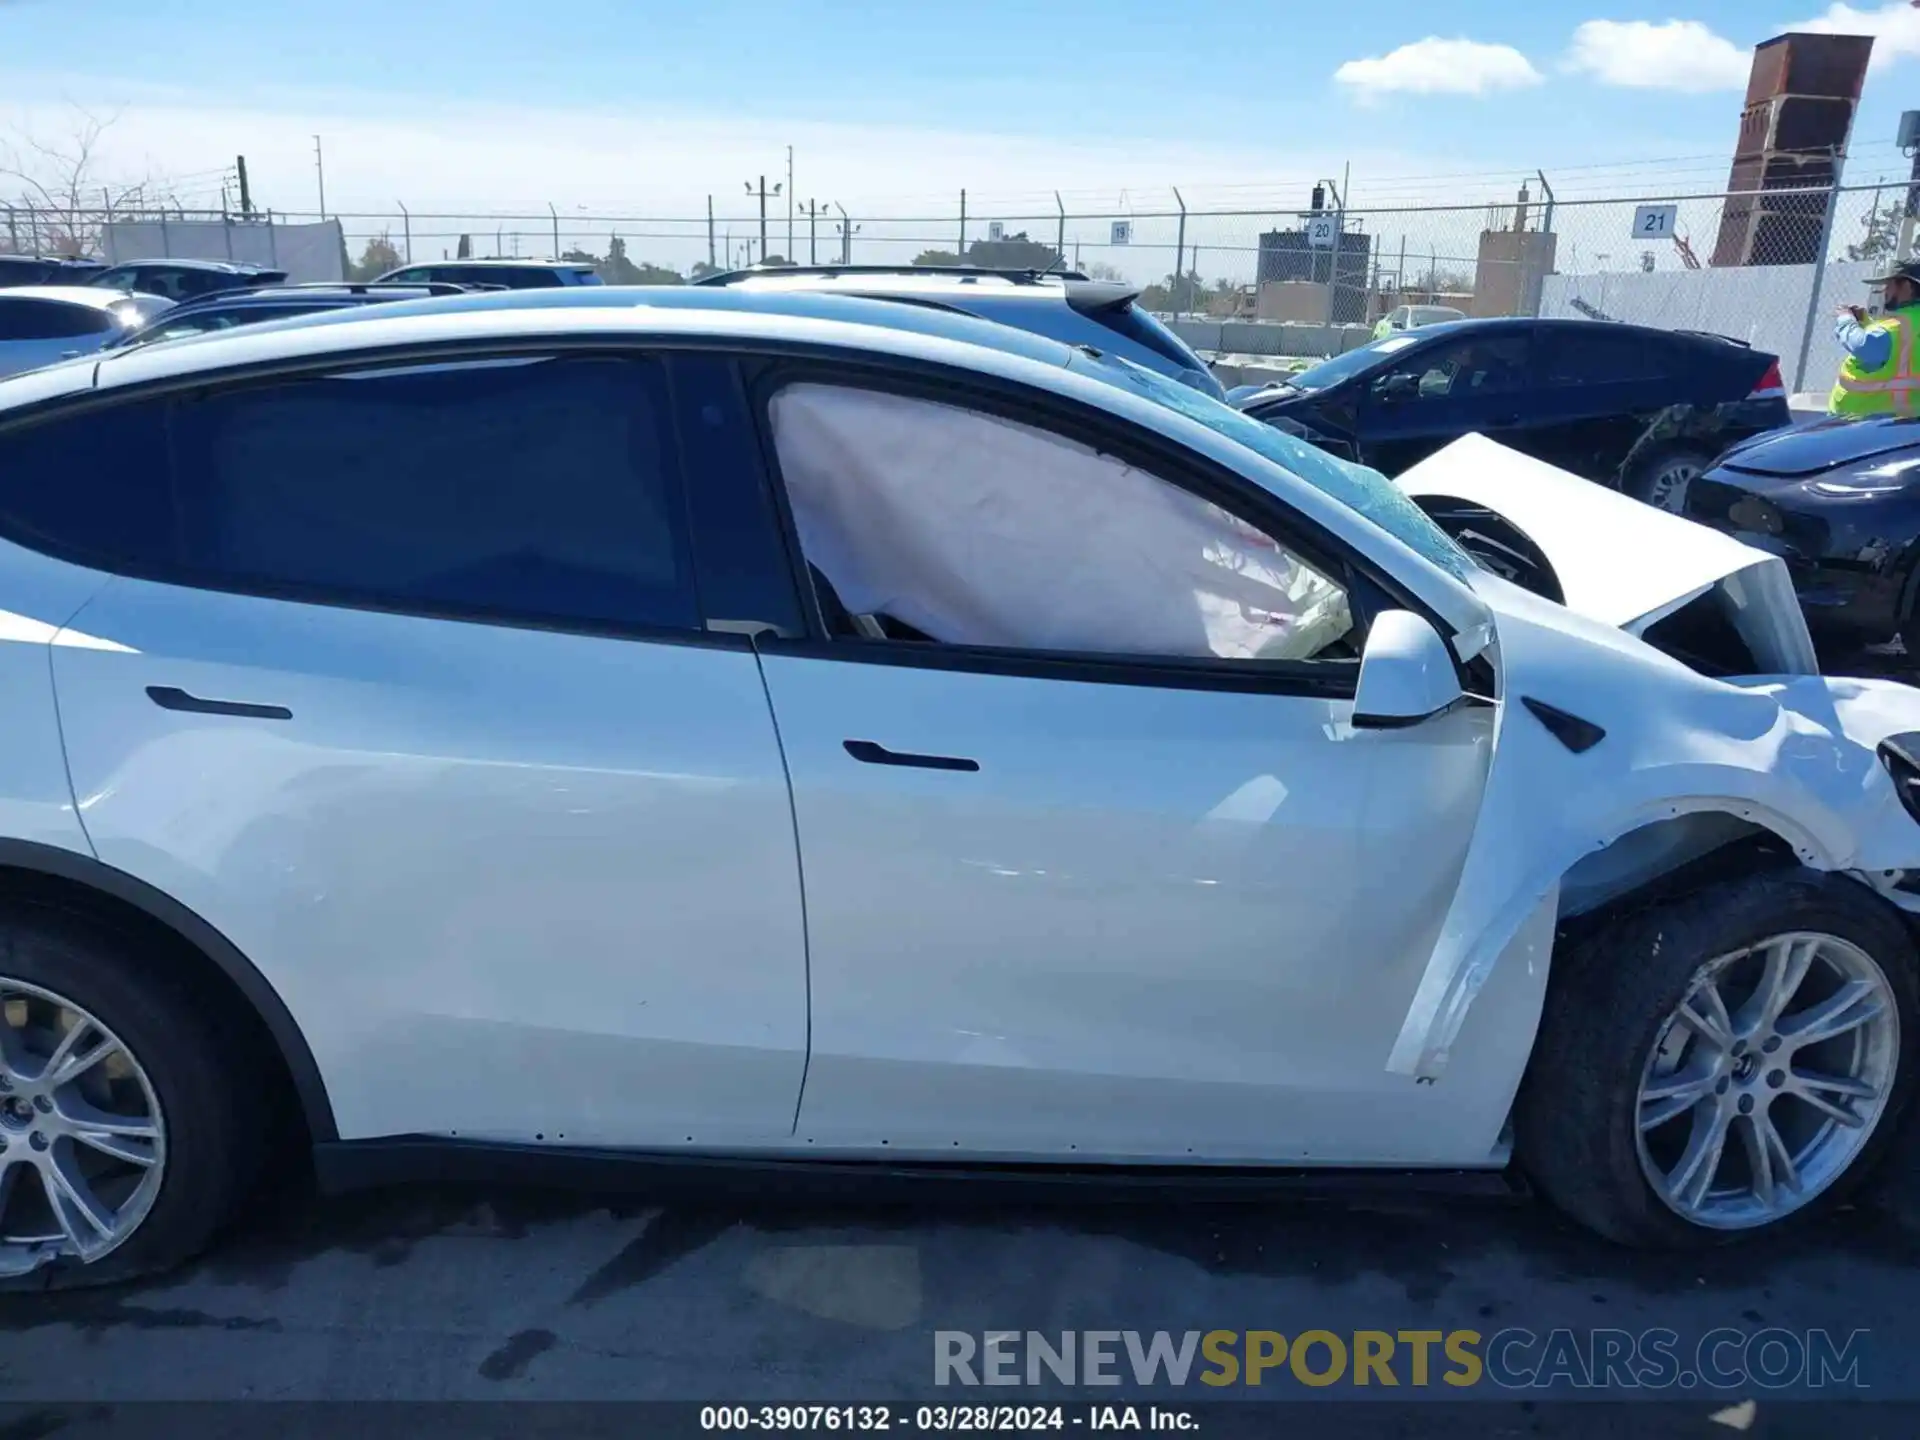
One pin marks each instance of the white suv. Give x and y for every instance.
(732, 730)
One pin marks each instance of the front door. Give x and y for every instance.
(1472, 383)
(1095, 865)
(413, 704)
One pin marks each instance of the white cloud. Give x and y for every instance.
(1673, 55)
(1895, 27)
(1434, 66)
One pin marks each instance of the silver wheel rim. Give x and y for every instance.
(82, 1140)
(1670, 486)
(1768, 1079)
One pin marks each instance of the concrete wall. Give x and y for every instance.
(1511, 268)
(1259, 337)
(1764, 305)
(305, 252)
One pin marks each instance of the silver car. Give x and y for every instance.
(42, 324)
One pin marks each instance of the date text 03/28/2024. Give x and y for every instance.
(942, 1419)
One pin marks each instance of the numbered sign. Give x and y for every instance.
(996, 230)
(1122, 232)
(1323, 231)
(1654, 222)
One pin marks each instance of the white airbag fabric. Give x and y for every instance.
(980, 531)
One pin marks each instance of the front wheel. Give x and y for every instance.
(1720, 1065)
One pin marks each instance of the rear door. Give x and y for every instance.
(1475, 382)
(1599, 385)
(405, 688)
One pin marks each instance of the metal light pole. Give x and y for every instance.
(789, 203)
(763, 192)
(320, 173)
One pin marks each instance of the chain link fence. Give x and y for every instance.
(1767, 268)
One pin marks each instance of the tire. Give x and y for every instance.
(207, 1091)
(1614, 998)
(1649, 478)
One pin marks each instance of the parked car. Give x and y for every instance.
(507, 274)
(46, 270)
(272, 302)
(423, 734)
(42, 324)
(179, 280)
(1414, 317)
(1839, 500)
(1061, 306)
(1638, 409)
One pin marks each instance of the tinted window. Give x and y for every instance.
(534, 490)
(1353, 362)
(49, 320)
(203, 322)
(1467, 368)
(1600, 355)
(411, 277)
(1143, 329)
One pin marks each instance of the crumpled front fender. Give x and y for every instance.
(1795, 755)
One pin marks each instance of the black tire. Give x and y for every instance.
(1637, 479)
(1576, 1118)
(213, 1108)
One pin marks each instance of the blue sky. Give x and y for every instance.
(644, 108)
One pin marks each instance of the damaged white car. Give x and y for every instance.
(734, 729)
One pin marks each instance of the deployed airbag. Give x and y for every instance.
(976, 530)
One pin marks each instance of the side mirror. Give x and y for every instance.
(1407, 674)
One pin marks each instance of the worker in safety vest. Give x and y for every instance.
(1878, 377)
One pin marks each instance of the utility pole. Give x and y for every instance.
(812, 211)
(246, 192)
(763, 192)
(847, 227)
(789, 202)
(320, 173)
(963, 227)
(711, 258)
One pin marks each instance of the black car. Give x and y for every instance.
(1839, 500)
(1638, 409)
(46, 270)
(500, 274)
(273, 302)
(182, 280)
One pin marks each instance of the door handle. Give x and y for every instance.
(168, 697)
(869, 753)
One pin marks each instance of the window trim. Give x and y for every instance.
(226, 383)
(1109, 435)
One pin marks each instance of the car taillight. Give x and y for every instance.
(1771, 386)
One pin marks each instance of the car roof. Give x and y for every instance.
(798, 305)
(319, 294)
(506, 261)
(174, 262)
(931, 281)
(88, 295)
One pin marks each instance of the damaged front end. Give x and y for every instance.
(1687, 651)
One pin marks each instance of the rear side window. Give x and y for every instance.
(50, 320)
(1142, 328)
(538, 491)
(1602, 355)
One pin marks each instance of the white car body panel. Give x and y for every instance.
(511, 883)
(1146, 927)
(1619, 561)
(18, 356)
(546, 888)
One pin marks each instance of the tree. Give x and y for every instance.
(1179, 293)
(1013, 252)
(702, 269)
(1882, 224)
(937, 257)
(376, 260)
(60, 186)
(618, 269)
(1100, 270)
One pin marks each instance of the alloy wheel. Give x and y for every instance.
(82, 1138)
(1767, 1080)
(1668, 490)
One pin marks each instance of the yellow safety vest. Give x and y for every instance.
(1893, 388)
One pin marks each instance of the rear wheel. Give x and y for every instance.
(1723, 1064)
(125, 1128)
(1663, 477)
